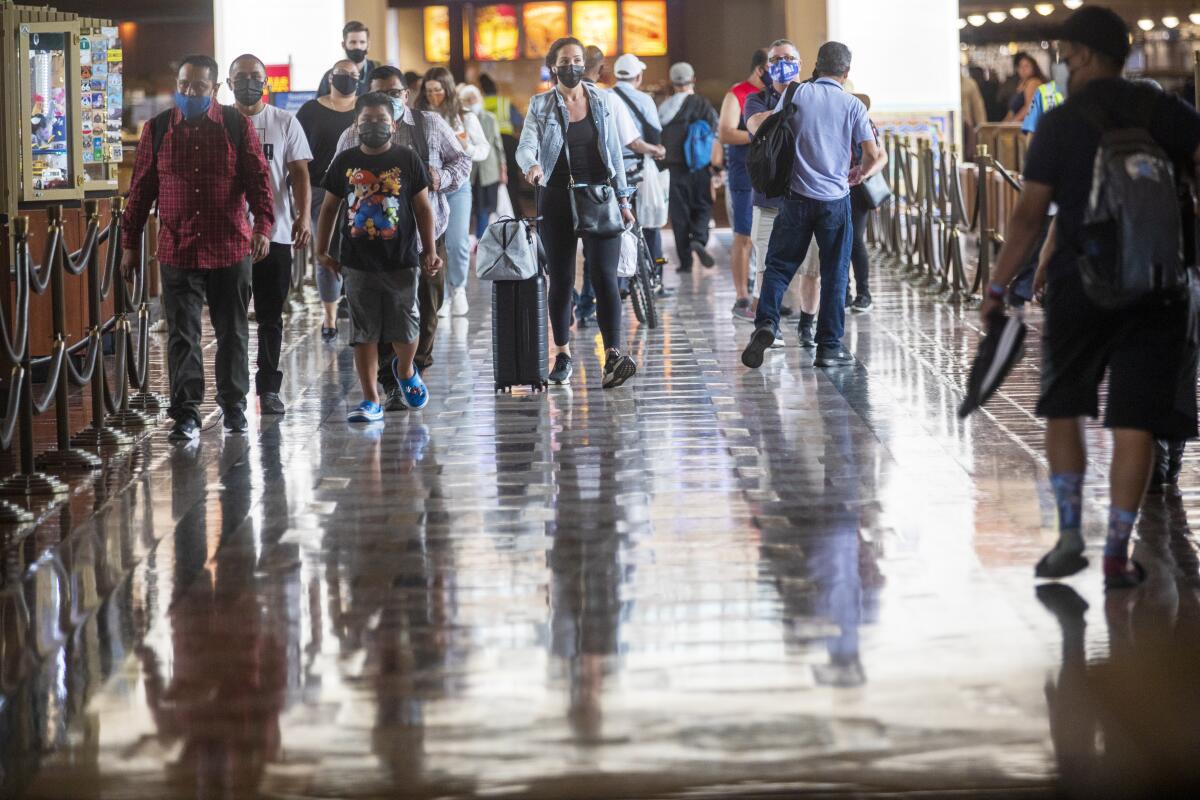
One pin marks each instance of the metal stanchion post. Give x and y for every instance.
(986, 232)
(29, 483)
(64, 457)
(145, 400)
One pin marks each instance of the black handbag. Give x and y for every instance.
(594, 206)
(874, 191)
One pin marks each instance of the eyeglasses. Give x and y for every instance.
(397, 93)
(777, 59)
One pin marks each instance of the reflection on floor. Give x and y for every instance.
(713, 582)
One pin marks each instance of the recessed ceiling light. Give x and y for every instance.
(1170, 22)
(1072, 4)
(977, 20)
(962, 23)
(1194, 17)
(1045, 9)
(997, 16)
(1146, 24)
(1019, 12)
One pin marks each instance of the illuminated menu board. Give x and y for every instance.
(437, 34)
(595, 22)
(543, 23)
(644, 27)
(497, 34)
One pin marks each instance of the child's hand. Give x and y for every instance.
(430, 263)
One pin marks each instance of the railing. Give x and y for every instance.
(113, 408)
(927, 227)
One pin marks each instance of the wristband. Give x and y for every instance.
(997, 291)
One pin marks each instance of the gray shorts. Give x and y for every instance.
(383, 306)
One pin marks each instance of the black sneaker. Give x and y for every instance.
(862, 304)
(807, 329)
(395, 399)
(760, 342)
(328, 334)
(184, 430)
(234, 420)
(618, 369)
(786, 311)
(564, 368)
(269, 403)
(834, 356)
(705, 257)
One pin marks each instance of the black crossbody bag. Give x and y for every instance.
(594, 206)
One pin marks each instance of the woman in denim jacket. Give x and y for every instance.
(588, 151)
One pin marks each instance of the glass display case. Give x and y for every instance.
(51, 109)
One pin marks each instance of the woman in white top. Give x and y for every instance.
(438, 95)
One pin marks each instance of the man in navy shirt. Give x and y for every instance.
(1144, 349)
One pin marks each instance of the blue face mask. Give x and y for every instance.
(397, 108)
(784, 71)
(192, 107)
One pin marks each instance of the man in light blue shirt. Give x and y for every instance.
(827, 122)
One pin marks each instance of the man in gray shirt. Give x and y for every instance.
(827, 122)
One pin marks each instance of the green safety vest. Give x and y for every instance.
(1051, 96)
(501, 108)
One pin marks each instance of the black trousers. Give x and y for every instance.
(431, 293)
(689, 209)
(600, 256)
(184, 292)
(271, 280)
(859, 259)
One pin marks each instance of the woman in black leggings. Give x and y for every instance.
(586, 151)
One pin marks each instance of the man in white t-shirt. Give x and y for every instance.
(286, 150)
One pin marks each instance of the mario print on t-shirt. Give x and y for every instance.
(374, 203)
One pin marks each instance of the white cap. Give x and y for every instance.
(628, 66)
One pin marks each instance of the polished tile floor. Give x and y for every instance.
(711, 583)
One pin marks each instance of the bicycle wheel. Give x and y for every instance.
(644, 281)
(637, 294)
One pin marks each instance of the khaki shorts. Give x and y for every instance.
(383, 306)
(760, 237)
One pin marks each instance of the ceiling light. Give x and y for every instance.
(1020, 12)
(1170, 22)
(997, 16)
(1045, 9)
(962, 23)
(1194, 17)
(1072, 4)
(977, 20)
(1146, 24)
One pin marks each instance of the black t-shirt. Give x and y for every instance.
(583, 148)
(1064, 149)
(323, 127)
(378, 228)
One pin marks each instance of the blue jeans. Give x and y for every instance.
(800, 219)
(458, 238)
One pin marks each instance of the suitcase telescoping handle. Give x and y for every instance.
(535, 239)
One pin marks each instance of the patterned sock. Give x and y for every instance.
(1068, 496)
(1116, 546)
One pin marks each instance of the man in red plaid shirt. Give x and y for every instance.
(202, 163)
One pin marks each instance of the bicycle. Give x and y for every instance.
(646, 284)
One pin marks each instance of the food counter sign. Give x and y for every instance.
(101, 88)
(644, 27)
(595, 22)
(496, 33)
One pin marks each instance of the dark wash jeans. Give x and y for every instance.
(184, 293)
(800, 220)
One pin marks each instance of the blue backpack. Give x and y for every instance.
(697, 148)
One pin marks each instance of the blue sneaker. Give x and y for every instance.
(366, 412)
(413, 393)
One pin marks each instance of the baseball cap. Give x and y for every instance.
(682, 74)
(628, 66)
(1098, 28)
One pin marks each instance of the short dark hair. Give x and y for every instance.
(832, 59)
(487, 84)
(354, 26)
(385, 72)
(411, 77)
(559, 44)
(248, 57)
(374, 100)
(207, 62)
(759, 59)
(593, 57)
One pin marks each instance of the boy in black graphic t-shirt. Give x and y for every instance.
(381, 192)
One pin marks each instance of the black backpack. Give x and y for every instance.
(1132, 240)
(773, 150)
(675, 133)
(230, 116)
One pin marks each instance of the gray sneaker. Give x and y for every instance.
(269, 403)
(394, 400)
(742, 311)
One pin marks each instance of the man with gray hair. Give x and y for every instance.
(827, 122)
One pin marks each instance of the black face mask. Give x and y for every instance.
(375, 134)
(356, 55)
(346, 84)
(569, 76)
(248, 91)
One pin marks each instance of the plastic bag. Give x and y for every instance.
(628, 265)
(652, 195)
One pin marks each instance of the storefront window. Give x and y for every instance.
(595, 22)
(48, 114)
(497, 34)
(644, 27)
(544, 22)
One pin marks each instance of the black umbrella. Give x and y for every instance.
(1002, 346)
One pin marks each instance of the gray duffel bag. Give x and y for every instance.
(508, 251)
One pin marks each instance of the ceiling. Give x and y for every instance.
(1036, 27)
(138, 10)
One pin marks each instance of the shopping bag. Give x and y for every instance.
(627, 266)
(652, 196)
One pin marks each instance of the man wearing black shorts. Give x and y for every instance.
(1144, 349)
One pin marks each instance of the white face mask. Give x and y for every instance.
(475, 108)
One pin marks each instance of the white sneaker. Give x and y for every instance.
(458, 302)
(444, 311)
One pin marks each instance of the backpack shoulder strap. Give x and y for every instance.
(789, 93)
(159, 125)
(235, 125)
(637, 112)
(420, 135)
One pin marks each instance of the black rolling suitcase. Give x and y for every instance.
(519, 340)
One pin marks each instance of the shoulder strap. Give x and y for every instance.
(159, 126)
(789, 93)
(234, 125)
(637, 112)
(420, 137)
